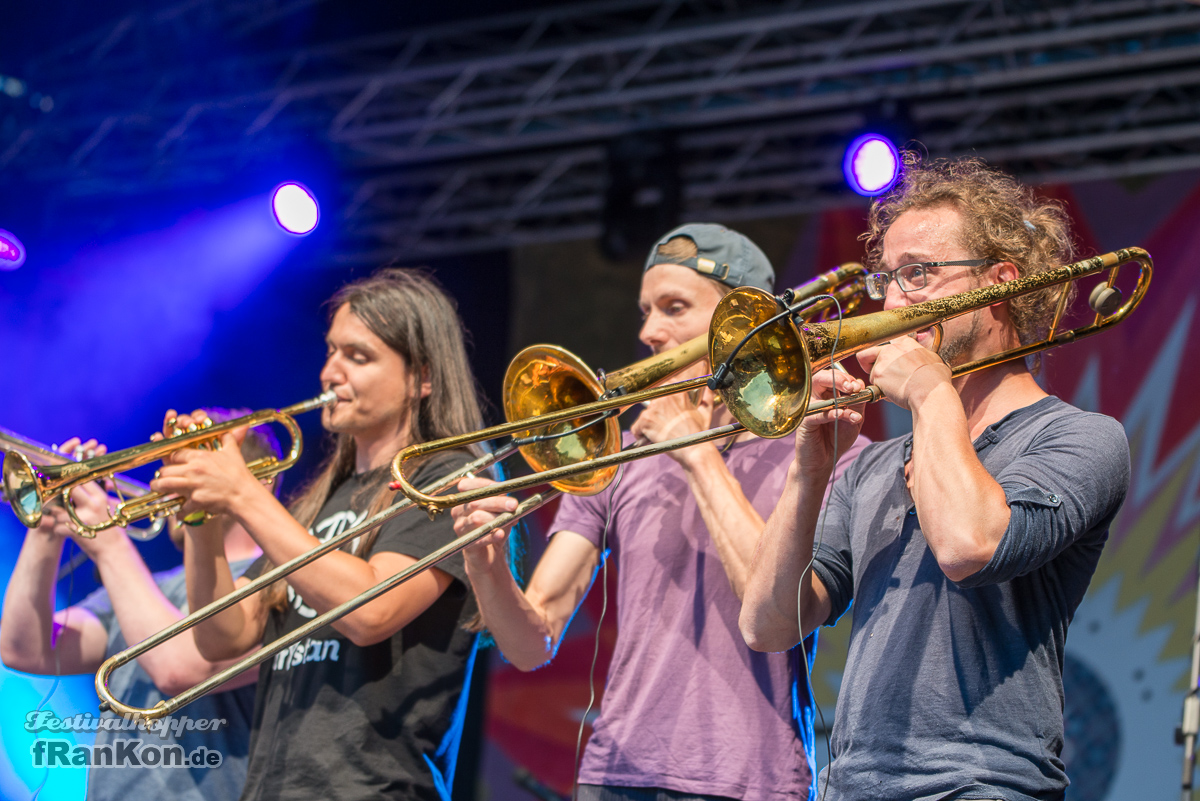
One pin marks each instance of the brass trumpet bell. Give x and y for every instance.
(21, 487)
(545, 378)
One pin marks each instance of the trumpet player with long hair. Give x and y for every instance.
(364, 707)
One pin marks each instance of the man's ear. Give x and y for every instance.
(426, 387)
(1005, 271)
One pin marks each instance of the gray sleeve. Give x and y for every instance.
(98, 603)
(1067, 486)
(832, 560)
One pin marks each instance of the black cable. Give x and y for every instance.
(717, 380)
(812, 559)
(600, 418)
(721, 378)
(596, 645)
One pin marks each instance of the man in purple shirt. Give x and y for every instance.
(689, 711)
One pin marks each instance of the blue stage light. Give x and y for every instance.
(872, 164)
(12, 252)
(295, 208)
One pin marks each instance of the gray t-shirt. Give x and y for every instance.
(687, 705)
(954, 690)
(132, 685)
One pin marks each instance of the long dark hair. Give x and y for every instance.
(414, 316)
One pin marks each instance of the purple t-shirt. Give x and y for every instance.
(688, 706)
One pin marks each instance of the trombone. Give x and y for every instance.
(41, 455)
(566, 379)
(29, 486)
(764, 364)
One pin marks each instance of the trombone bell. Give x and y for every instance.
(545, 378)
(771, 377)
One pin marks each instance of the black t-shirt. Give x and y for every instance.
(336, 721)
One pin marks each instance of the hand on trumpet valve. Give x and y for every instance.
(905, 370)
(78, 450)
(91, 501)
(212, 476)
(492, 550)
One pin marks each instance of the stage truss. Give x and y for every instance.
(491, 133)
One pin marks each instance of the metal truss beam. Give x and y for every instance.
(491, 133)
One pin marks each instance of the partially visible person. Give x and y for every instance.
(132, 605)
(966, 547)
(688, 710)
(369, 706)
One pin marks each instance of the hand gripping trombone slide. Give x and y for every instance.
(567, 377)
(170, 705)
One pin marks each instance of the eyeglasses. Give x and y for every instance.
(911, 277)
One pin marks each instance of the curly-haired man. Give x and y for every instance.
(965, 547)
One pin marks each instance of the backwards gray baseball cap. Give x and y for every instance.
(722, 254)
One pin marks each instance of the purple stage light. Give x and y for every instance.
(12, 252)
(295, 208)
(872, 165)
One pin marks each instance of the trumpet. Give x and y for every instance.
(765, 362)
(41, 455)
(565, 378)
(29, 486)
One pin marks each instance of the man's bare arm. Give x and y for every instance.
(33, 639)
(528, 626)
(769, 619)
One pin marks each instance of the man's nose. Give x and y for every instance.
(331, 373)
(895, 297)
(651, 333)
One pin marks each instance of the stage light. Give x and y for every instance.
(295, 208)
(12, 252)
(872, 164)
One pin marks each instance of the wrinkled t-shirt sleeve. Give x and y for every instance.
(97, 602)
(1068, 485)
(584, 515)
(832, 562)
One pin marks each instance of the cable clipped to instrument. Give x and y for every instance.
(722, 377)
